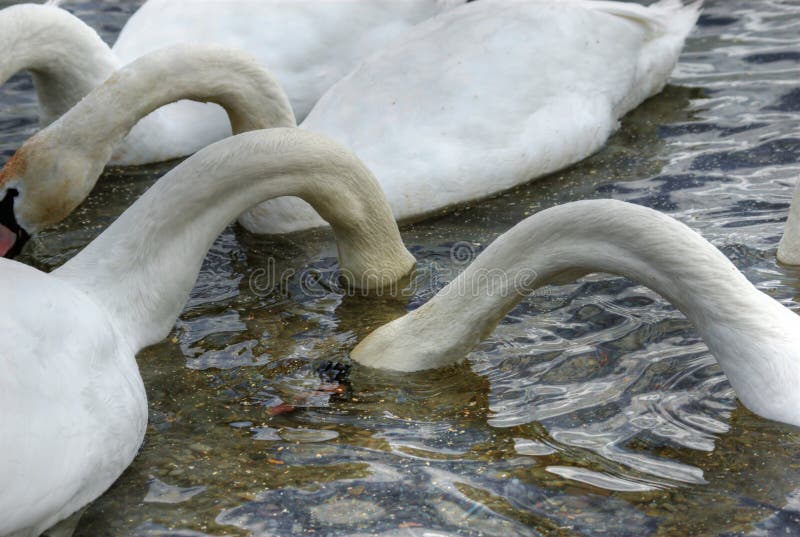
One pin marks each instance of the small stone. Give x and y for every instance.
(307, 435)
(241, 424)
(347, 512)
(160, 492)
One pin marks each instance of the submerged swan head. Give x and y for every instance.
(54, 171)
(755, 339)
(789, 248)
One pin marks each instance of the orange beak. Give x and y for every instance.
(7, 240)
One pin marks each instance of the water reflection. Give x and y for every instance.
(594, 409)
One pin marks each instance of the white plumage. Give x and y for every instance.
(74, 405)
(490, 95)
(308, 45)
(479, 99)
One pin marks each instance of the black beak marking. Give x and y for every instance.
(8, 220)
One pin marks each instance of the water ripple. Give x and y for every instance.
(594, 409)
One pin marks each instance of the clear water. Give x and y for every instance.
(594, 409)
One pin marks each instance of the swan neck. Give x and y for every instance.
(753, 337)
(57, 168)
(561, 244)
(65, 56)
(231, 78)
(789, 248)
(143, 267)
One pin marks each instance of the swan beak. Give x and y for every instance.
(12, 236)
(7, 240)
(11, 243)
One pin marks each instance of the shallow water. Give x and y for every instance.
(594, 409)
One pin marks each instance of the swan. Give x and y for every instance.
(489, 95)
(755, 339)
(442, 117)
(308, 47)
(74, 405)
(789, 247)
(54, 170)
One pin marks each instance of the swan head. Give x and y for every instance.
(39, 186)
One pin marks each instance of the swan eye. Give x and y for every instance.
(12, 236)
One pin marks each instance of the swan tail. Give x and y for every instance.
(677, 18)
(665, 17)
(667, 24)
(660, 55)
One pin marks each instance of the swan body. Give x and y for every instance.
(74, 405)
(54, 171)
(489, 95)
(441, 116)
(307, 45)
(789, 247)
(755, 339)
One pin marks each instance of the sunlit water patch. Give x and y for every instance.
(593, 409)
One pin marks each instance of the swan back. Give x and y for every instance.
(490, 95)
(69, 379)
(789, 248)
(65, 56)
(308, 45)
(755, 339)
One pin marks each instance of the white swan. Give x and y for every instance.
(481, 98)
(308, 47)
(754, 338)
(54, 171)
(789, 247)
(489, 95)
(74, 406)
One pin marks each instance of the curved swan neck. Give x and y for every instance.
(789, 248)
(56, 168)
(231, 78)
(754, 338)
(143, 266)
(65, 56)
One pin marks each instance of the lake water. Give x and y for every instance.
(594, 409)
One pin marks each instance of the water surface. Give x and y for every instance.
(594, 409)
